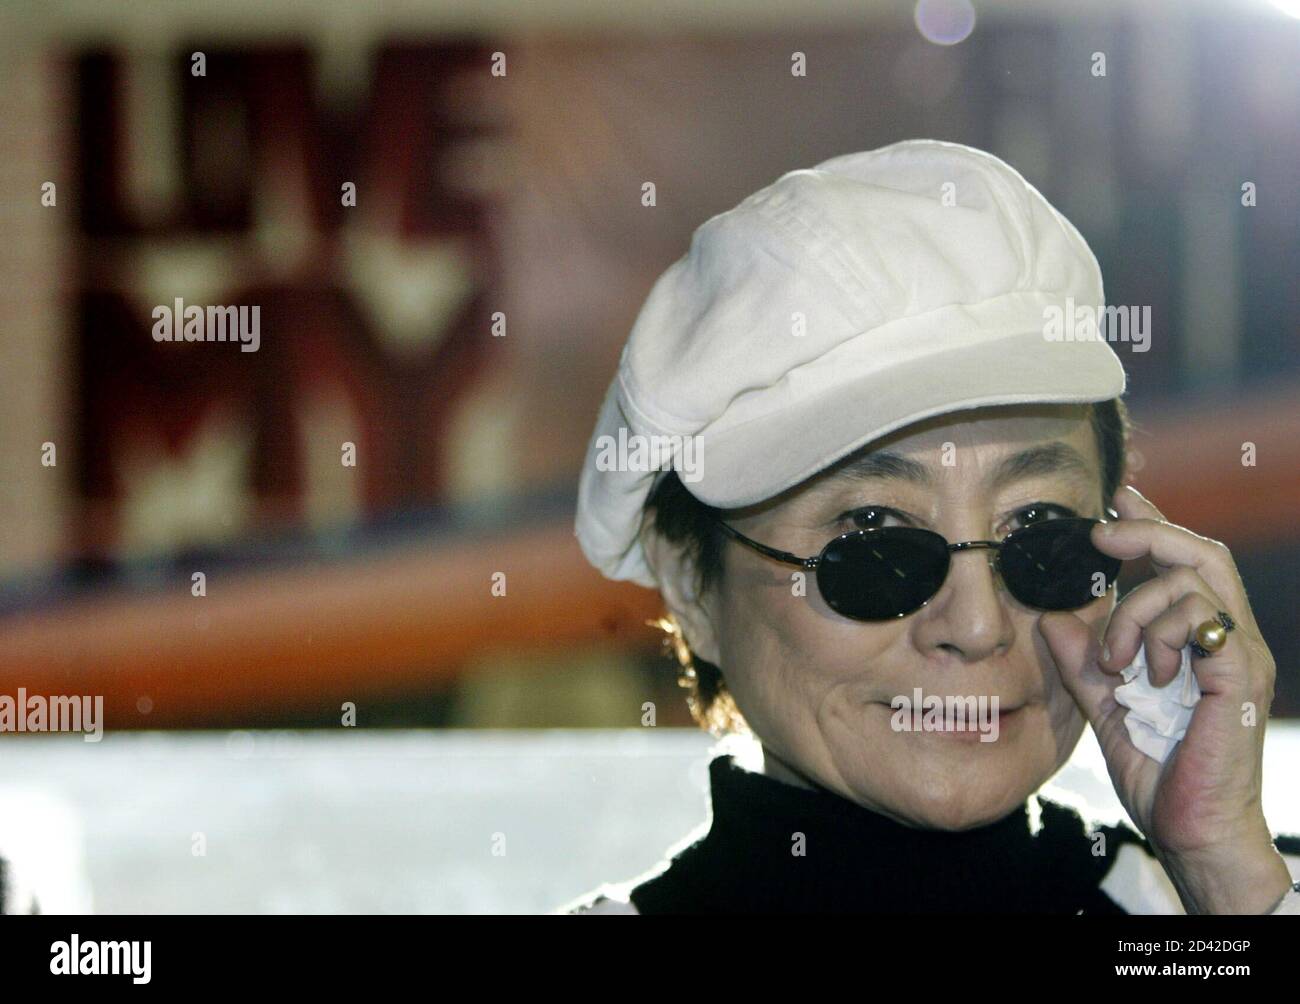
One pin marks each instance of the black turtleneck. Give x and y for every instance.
(855, 860)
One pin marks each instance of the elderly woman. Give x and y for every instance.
(866, 439)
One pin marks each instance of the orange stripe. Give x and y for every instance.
(314, 637)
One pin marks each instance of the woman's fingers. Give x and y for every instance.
(1143, 531)
(1143, 607)
(1226, 671)
(1132, 504)
(1073, 648)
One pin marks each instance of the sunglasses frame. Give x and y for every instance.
(812, 563)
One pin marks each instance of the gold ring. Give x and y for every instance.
(1212, 635)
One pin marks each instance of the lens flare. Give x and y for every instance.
(945, 22)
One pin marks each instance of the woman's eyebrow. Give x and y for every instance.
(1047, 458)
(884, 464)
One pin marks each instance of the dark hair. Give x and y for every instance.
(682, 519)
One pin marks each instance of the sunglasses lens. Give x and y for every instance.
(1053, 565)
(878, 575)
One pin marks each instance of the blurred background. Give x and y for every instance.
(457, 326)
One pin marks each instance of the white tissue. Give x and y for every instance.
(1158, 716)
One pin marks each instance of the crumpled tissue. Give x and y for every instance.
(1158, 716)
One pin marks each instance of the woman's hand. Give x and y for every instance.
(1200, 810)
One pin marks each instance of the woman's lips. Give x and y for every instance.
(974, 728)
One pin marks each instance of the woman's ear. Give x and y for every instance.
(676, 575)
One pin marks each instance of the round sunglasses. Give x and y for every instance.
(888, 572)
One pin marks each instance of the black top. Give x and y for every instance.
(854, 860)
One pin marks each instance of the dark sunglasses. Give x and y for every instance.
(888, 572)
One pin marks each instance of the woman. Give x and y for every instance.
(887, 538)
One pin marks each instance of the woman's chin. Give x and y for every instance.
(961, 804)
(945, 782)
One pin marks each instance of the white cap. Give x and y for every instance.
(827, 310)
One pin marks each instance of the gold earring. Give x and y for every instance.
(686, 676)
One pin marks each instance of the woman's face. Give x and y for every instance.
(817, 688)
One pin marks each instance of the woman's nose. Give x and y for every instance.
(968, 617)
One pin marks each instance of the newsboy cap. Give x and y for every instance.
(834, 306)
